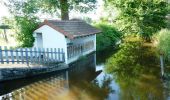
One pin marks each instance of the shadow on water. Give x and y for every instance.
(78, 82)
(103, 55)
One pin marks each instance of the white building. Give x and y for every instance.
(76, 37)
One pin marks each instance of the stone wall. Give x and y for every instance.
(14, 73)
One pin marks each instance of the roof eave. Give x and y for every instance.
(56, 28)
(76, 36)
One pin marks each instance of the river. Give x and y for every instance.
(87, 80)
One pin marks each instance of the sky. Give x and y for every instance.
(95, 15)
(3, 10)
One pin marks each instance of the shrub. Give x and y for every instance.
(163, 39)
(108, 37)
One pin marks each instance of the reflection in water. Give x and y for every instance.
(75, 84)
(45, 89)
(136, 70)
(86, 81)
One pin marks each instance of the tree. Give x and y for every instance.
(52, 6)
(143, 17)
(4, 27)
(25, 19)
(66, 5)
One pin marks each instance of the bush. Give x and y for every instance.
(163, 39)
(26, 26)
(108, 37)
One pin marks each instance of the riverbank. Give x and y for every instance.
(13, 72)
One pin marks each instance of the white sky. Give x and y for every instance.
(3, 10)
(95, 15)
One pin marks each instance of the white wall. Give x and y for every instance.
(51, 38)
(81, 40)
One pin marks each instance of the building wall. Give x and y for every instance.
(85, 39)
(51, 39)
(82, 40)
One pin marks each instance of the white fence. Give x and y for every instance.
(31, 55)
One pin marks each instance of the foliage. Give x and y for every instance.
(60, 8)
(163, 38)
(131, 56)
(144, 17)
(108, 37)
(25, 20)
(26, 27)
(79, 5)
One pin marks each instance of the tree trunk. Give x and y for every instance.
(64, 9)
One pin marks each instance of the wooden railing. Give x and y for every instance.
(31, 55)
(79, 49)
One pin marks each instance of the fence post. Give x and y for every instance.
(6, 54)
(31, 56)
(51, 54)
(59, 54)
(35, 55)
(12, 55)
(63, 55)
(55, 54)
(17, 56)
(22, 56)
(39, 55)
(47, 56)
(43, 56)
(26, 54)
(1, 55)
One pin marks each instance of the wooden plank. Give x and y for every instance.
(52, 60)
(47, 59)
(59, 57)
(17, 56)
(63, 55)
(22, 55)
(39, 55)
(6, 54)
(43, 55)
(31, 55)
(1, 56)
(26, 57)
(12, 55)
(35, 55)
(55, 54)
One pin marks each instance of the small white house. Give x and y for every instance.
(76, 37)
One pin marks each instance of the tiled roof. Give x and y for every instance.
(72, 28)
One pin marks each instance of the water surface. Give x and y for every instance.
(86, 80)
